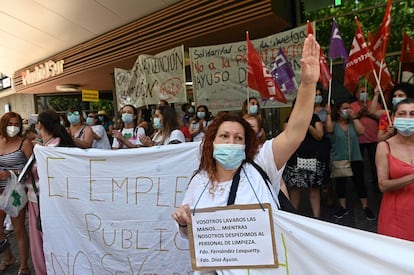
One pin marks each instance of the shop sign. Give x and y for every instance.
(90, 95)
(42, 72)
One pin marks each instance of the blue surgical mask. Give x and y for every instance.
(253, 109)
(363, 96)
(89, 121)
(344, 113)
(191, 110)
(318, 99)
(229, 155)
(127, 118)
(101, 118)
(74, 119)
(404, 126)
(157, 123)
(201, 115)
(396, 100)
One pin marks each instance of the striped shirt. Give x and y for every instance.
(12, 161)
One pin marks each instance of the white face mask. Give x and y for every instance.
(12, 131)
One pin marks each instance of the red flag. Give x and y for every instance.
(378, 43)
(359, 62)
(381, 69)
(259, 77)
(407, 54)
(325, 74)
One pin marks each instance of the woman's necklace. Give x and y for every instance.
(219, 188)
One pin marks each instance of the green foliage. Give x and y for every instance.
(62, 104)
(102, 104)
(370, 14)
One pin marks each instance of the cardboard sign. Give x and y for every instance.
(231, 237)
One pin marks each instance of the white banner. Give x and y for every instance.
(219, 72)
(109, 212)
(153, 78)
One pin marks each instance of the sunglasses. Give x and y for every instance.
(75, 113)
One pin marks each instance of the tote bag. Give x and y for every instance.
(14, 196)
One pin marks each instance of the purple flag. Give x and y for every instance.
(283, 74)
(337, 47)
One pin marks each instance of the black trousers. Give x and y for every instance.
(358, 181)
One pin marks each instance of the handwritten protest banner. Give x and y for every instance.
(219, 72)
(153, 78)
(109, 212)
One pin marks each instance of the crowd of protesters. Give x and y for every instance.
(342, 130)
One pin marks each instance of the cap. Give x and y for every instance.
(102, 113)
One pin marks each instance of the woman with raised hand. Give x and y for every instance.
(230, 146)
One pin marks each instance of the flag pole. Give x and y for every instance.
(247, 86)
(399, 71)
(366, 90)
(330, 84)
(382, 95)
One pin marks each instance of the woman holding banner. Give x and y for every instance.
(231, 153)
(53, 134)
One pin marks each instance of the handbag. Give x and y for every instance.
(342, 168)
(308, 164)
(14, 196)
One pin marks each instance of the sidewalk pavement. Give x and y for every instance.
(12, 270)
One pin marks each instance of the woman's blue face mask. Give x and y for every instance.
(229, 155)
(404, 126)
(73, 117)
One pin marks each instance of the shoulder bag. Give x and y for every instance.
(342, 168)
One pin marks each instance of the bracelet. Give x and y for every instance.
(180, 225)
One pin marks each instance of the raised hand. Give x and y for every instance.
(310, 61)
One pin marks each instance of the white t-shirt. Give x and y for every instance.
(197, 195)
(175, 135)
(132, 134)
(195, 126)
(103, 142)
